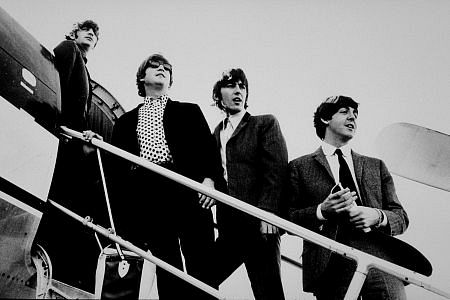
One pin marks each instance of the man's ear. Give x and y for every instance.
(217, 98)
(324, 122)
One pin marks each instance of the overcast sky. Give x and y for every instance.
(390, 56)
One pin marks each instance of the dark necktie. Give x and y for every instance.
(227, 128)
(345, 176)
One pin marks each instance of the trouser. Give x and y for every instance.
(162, 216)
(71, 246)
(261, 256)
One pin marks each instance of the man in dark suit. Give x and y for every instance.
(254, 159)
(367, 201)
(151, 211)
(75, 172)
(70, 61)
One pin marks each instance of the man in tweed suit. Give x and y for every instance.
(254, 158)
(335, 215)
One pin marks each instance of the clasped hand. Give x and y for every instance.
(342, 204)
(338, 203)
(363, 217)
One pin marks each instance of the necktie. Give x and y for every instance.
(345, 176)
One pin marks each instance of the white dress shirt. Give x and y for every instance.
(150, 130)
(229, 126)
(333, 161)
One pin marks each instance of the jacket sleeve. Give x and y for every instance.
(74, 83)
(65, 54)
(122, 137)
(397, 218)
(205, 148)
(301, 210)
(273, 165)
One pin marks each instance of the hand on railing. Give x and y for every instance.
(267, 228)
(205, 201)
(88, 135)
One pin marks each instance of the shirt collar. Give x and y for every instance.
(329, 150)
(151, 100)
(236, 118)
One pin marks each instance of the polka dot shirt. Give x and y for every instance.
(150, 130)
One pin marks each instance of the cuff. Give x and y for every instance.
(385, 220)
(382, 219)
(319, 213)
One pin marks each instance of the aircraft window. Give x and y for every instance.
(29, 79)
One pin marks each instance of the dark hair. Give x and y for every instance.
(327, 109)
(87, 24)
(229, 76)
(140, 75)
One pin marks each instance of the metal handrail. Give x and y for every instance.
(364, 261)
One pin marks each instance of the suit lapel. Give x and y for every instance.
(134, 140)
(241, 125)
(319, 156)
(166, 114)
(358, 164)
(217, 131)
(169, 122)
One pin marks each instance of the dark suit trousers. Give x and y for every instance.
(261, 257)
(71, 246)
(160, 215)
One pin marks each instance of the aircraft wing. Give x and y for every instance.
(416, 153)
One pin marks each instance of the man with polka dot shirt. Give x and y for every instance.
(151, 211)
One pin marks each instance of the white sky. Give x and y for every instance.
(391, 56)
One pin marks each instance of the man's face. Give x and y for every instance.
(234, 95)
(158, 73)
(86, 38)
(342, 125)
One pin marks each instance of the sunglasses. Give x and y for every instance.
(156, 63)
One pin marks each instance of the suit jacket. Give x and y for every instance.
(143, 198)
(256, 165)
(76, 90)
(188, 137)
(310, 182)
(73, 166)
